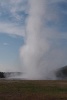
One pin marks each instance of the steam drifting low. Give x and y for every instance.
(42, 52)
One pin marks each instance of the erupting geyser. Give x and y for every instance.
(42, 52)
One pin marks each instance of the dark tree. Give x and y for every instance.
(2, 75)
(61, 73)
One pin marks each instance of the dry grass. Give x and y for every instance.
(33, 90)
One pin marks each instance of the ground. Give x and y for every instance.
(33, 90)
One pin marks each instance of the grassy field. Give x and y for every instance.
(33, 90)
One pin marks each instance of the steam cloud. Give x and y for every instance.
(42, 52)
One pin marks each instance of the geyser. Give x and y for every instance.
(42, 52)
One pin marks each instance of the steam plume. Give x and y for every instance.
(41, 53)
